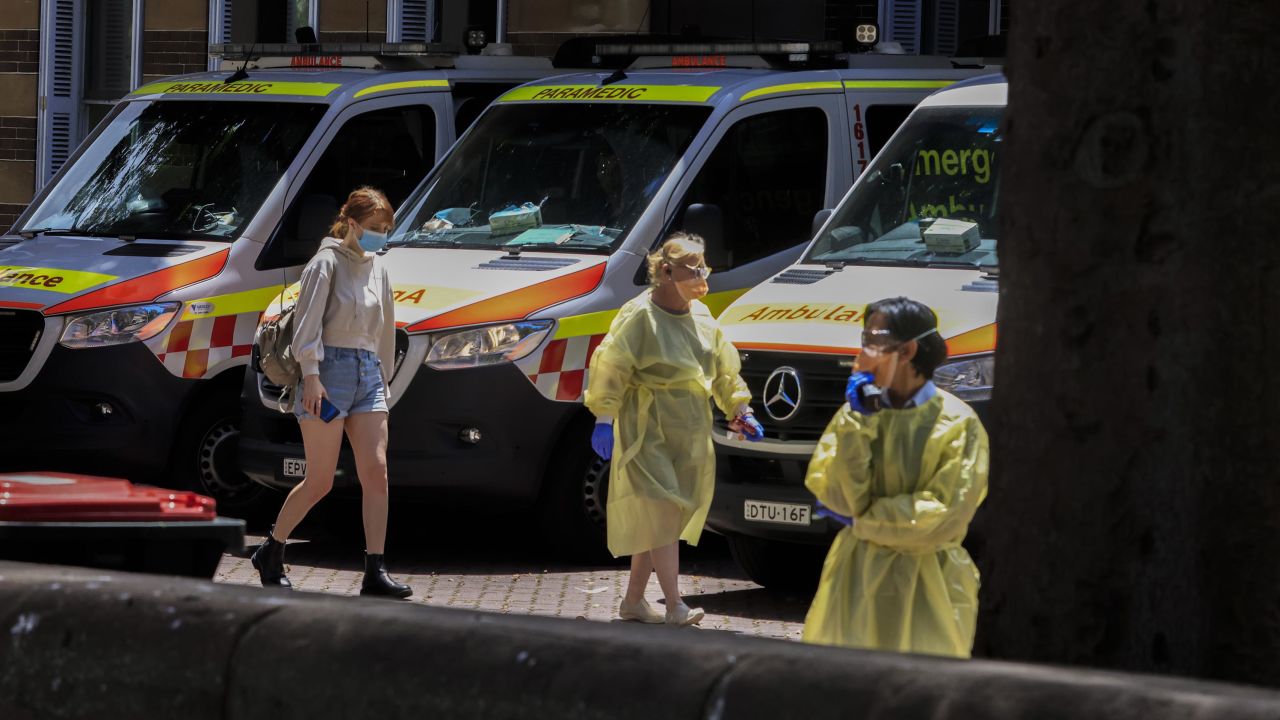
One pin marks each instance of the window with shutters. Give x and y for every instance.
(260, 21)
(108, 59)
(900, 23)
(60, 81)
(89, 59)
(412, 21)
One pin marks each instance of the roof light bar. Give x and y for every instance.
(257, 50)
(719, 48)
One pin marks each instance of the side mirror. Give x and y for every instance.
(819, 219)
(708, 221)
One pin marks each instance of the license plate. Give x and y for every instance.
(776, 513)
(295, 467)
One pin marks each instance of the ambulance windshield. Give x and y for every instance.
(929, 198)
(178, 169)
(550, 176)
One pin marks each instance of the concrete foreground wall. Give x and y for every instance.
(87, 643)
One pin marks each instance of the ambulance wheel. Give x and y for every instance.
(205, 459)
(777, 565)
(572, 512)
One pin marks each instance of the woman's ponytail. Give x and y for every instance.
(363, 204)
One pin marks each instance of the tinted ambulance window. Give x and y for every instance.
(882, 121)
(944, 165)
(768, 175)
(391, 149)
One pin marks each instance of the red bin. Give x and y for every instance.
(67, 519)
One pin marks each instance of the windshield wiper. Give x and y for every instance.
(553, 247)
(429, 242)
(32, 232)
(171, 235)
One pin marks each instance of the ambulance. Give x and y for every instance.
(515, 254)
(921, 222)
(131, 286)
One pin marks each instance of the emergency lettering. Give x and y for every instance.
(50, 279)
(974, 162)
(953, 183)
(590, 93)
(218, 87)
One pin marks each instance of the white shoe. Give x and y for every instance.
(640, 612)
(684, 615)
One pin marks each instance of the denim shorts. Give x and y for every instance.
(353, 380)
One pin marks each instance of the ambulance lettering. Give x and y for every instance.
(783, 313)
(408, 296)
(49, 279)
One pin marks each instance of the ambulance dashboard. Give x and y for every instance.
(555, 176)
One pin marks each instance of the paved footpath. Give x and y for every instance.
(504, 575)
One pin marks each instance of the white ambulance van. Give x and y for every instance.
(921, 222)
(130, 288)
(515, 254)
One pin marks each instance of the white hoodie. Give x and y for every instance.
(345, 301)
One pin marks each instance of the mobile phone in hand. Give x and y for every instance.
(328, 411)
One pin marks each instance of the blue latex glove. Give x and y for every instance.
(751, 428)
(602, 440)
(856, 381)
(821, 510)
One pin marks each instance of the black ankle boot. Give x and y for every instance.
(268, 560)
(378, 582)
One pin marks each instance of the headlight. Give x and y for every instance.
(968, 379)
(118, 326)
(490, 345)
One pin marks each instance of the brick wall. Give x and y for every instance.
(174, 52)
(19, 51)
(19, 63)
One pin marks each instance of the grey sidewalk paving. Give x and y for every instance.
(495, 578)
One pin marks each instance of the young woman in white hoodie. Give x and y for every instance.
(344, 339)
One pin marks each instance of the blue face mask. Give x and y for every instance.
(372, 241)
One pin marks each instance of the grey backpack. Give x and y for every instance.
(274, 350)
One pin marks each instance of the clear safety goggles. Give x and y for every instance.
(701, 272)
(880, 341)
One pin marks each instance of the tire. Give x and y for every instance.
(777, 565)
(204, 460)
(571, 516)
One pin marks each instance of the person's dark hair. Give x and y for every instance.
(906, 319)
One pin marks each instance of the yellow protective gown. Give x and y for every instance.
(653, 373)
(911, 479)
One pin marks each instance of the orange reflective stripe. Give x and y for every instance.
(21, 305)
(978, 340)
(517, 304)
(146, 288)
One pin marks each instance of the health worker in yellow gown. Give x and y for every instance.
(905, 464)
(650, 384)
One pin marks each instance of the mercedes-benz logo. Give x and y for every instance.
(782, 393)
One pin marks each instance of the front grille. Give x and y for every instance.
(800, 276)
(822, 380)
(20, 331)
(537, 264)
